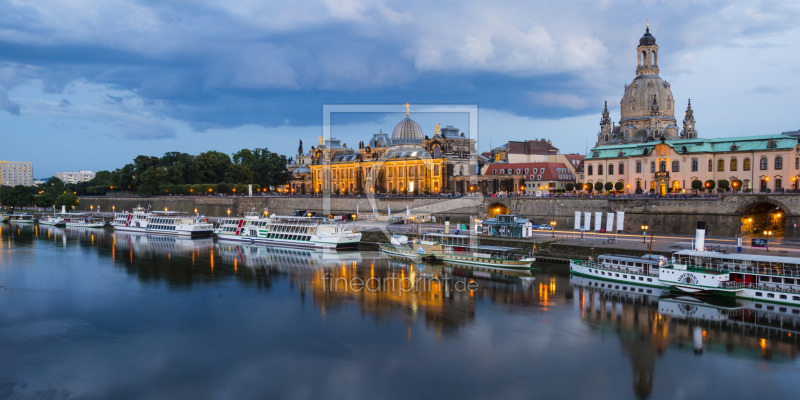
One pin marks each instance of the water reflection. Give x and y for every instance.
(151, 301)
(648, 321)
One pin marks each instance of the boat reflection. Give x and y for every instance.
(647, 321)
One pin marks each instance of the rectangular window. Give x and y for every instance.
(653, 167)
(638, 167)
(694, 165)
(621, 168)
(710, 166)
(611, 169)
(720, 165)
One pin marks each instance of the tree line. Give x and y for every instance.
(210, 172)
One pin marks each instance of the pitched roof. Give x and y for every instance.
(537, 171)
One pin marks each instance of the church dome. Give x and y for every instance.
(407, 131)
(647, 39)
(645, 95)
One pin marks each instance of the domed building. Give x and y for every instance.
(647, 153)
(647, 108)
(407, 131)
(407, 162)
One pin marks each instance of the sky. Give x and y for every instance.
(90, 84)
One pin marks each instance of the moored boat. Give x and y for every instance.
(461, 249)
(621, 268)
(22, 218)
(289, 231)
(162, 222)
(52, 220)
(748, 276)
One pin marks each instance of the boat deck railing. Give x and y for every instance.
(758, 286)
(596, 265)
(736, 268)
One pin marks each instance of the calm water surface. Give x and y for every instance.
(98, 315)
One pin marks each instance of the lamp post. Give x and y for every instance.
(553, 225)
(644, 232)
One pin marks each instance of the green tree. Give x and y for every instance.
(17, 196)
(710, 184)
(212, 165)
(570, 186)
(238, 174)
(578, 186)
(723, 184)
(598, 186)
(608, 186)
(697, 185)
(269, 168)
(619, 186)
(737, 184)
(66, 199)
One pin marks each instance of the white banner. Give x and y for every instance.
(577, 220)
(587, 221)
(620, 221)
(610, 222)
(598, 221)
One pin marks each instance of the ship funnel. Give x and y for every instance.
(63, 208)
(700, 236)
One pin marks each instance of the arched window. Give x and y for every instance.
(662, 166)
(694, 165)
(600, 169)
(611, 169)
(763, 163)
(710, 165)
(778, 162)
(676, 166)
(746, 165)
(720, 165)
(797, 163)
(734, 164)
(621, 169)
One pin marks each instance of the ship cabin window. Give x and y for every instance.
(770, 307)
(641, 279)
(776, 279)
(783, 297)
(759, 294)
(771, 295)
(782, 309)
(796, 298)
(624, 276)
(649, 279)
(759, 305)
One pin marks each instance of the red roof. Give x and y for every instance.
(538, 171)
(576, 160)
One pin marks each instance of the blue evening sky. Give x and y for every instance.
(90, 84)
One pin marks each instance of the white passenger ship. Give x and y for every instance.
(747, 276)
(292, 231)
(162, 222)
(620, 268)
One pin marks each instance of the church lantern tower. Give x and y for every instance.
(688, 123)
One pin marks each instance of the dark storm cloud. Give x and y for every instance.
(225, 65)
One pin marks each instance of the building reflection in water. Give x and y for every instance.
(648, 320)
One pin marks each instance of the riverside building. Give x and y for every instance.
(408, 161)
(647, 152)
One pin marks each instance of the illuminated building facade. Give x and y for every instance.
(408, 161)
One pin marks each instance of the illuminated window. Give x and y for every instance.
(746, 165)
(734, 164)
(720, 165)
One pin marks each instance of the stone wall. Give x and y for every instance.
(678, 216)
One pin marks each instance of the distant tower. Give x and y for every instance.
(605, 126)
(688, 123)
(648, 55)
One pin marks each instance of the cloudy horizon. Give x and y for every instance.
(92, 84)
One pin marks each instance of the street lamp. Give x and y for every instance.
(644, 232)
(553, 225)
(229, 212)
